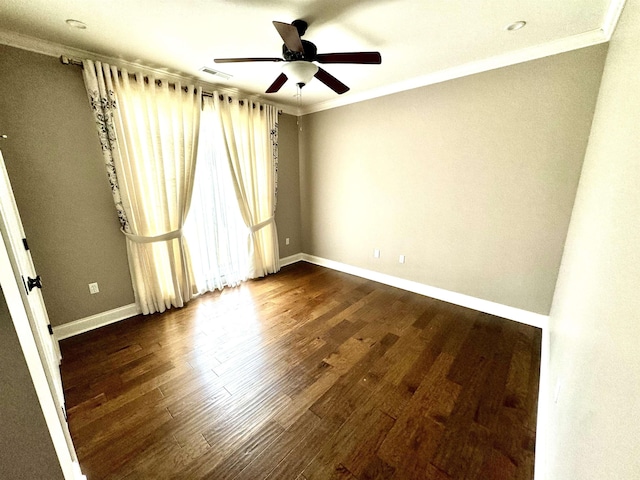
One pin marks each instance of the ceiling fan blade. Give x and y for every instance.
(279, 82)
(350, 57)
(290, 36)
(330, 81)
(236, 60)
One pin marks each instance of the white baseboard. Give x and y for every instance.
(523, 316)
(77, 473)
(95, 321)
(290, 259)
(98, 320)
(544, 396)
(486, 306)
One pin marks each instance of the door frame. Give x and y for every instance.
(52, 406)
(53, 415)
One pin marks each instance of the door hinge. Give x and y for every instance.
(26, 245)
(34, 282)
(50, 329)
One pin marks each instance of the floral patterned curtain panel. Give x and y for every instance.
(149, 136)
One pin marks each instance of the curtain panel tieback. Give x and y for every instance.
(156, 238)
(261, 225)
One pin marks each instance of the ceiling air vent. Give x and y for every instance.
(216, 73)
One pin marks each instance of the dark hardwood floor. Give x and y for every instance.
(306, 374)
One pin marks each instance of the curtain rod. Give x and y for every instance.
(78, 63)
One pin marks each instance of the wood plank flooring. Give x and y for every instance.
(307, 374)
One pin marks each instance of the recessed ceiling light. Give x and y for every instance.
(515, 25)
(76, 24)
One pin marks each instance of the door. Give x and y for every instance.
(24, 271)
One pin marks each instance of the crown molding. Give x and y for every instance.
(574, 42)
(611, 18)
(52, 49)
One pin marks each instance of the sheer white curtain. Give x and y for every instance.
(250, 132)
(216, 232)
(149, 135)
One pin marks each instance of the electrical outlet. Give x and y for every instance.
(93, 288)
(401, 259)
(286, 241)
(376, 253)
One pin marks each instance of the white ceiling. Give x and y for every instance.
(421, 41)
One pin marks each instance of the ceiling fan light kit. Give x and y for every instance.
(300, 72)
(299, 56)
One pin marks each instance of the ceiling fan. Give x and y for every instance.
(299, 56)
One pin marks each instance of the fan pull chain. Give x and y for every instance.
(299, 103)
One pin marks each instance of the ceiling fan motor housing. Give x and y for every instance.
(301, 26)
(309, 54)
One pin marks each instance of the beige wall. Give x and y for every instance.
(55, 165)
(288, 207)
(594, 428)
(26, 449)
(473, 180)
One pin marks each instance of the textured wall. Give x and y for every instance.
(55, 166)
(473, 180)
(595, 355)
(26, 449)
(288, 208)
